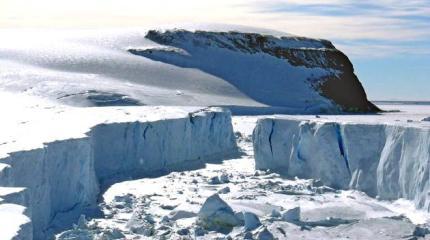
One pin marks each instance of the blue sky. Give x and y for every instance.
(387, 40)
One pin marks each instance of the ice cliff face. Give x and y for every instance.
(62, 178)
(260, 65)
(385, 160)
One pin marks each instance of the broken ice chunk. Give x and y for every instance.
(217, 215)
(291, 215)
(251, 221)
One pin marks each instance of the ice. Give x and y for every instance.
(140, 226)
(421, 231)
(180, 214)
(264, 234)
(291, 215)
(55, 160)
(319, 212)
(115, 67)
(378, 155)
(63, 156)
(224, 190)
(217, 215)
(251, 221)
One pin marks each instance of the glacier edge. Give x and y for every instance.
(387, 161)
(64, 177)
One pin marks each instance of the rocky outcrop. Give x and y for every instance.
(338, 83)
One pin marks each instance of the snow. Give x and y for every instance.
(385, 156)
(79, 141)
(14, 223)
(317, 211)
(95, 68)
(348, 176)
(64, 155)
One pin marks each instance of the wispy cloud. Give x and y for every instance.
(362, 28)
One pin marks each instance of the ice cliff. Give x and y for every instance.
(385, 160)
(60, 179)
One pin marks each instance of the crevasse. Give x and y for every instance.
(61, 179)
(388, 161)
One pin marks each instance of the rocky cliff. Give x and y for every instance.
(250, 73)
(328, 71)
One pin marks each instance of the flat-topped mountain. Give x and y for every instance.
(319, 66)
(248, 72)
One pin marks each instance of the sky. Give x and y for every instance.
(388, 41)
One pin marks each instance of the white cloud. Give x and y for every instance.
(392, 21)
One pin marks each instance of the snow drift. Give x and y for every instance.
(63, 178)
(389, 161)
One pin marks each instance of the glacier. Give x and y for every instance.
(56, 176)
(388, 160)
(60, 161)
(171, 206)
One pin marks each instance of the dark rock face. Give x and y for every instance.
(341, 86)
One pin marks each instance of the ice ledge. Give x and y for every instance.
(386, 160)
(79, 149)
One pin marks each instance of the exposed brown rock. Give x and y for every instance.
(341, 86)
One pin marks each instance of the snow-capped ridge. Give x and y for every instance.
(245, 70)
(336, 82)
(238, 41)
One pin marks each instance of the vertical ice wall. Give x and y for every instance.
(59, 179)
(125, 150)
(389, 161)
(63, 178)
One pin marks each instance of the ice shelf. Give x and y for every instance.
(53, 166)
(385, 158)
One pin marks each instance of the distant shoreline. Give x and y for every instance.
(401, 102)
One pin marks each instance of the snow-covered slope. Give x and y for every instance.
(288, 71)
(62, 156)
(383, 157)
(193, 68)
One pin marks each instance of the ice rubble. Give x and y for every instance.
(57, 176)
(385, 160)
(168, 207)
